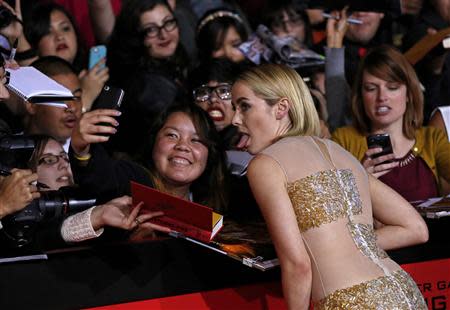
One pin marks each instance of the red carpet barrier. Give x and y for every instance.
(432, 277)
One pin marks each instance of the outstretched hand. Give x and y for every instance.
(119, 213)
(90, 127)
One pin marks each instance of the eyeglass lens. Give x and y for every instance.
(203, 93)
(52, 159)
(154, 31)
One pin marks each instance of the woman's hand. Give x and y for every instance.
(89, 129)
(144, 229)
(119, 213)
(336, 28)
(92, 82)
(376, 165)
(15, 29)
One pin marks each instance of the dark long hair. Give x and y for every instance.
(211, 31)
(38, 25)
(273, 12)
(126, 50)
(209, 189)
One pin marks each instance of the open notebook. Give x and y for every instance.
(35, 87)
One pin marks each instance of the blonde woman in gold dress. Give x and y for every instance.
(319, 202)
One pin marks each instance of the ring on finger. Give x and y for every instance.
(136, 220)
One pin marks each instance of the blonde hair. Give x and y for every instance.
(273, 82)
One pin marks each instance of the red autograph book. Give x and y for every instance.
(181, 216)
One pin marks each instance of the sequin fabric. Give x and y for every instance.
(317, 199)
(366, 240)
(395, 291)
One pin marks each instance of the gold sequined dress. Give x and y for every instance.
(329, 191)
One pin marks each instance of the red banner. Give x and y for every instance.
(433, 279)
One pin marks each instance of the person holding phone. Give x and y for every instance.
(149, 63)
(51, 30)
(387, 99)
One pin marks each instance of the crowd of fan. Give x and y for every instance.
(176, 62)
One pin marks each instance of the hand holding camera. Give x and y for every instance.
(17, 191)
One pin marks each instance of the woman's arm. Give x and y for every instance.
(92, 167)
(268, 184)
(102, 19)
(403, 226)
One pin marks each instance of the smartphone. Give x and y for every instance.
(96, 53)
(380, 140)
(109, 98)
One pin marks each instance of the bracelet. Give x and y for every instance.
(29, 53)
(82, 158)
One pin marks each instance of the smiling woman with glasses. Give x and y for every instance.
(146, 60)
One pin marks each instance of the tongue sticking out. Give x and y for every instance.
(243, 142)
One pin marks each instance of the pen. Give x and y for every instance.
(349, 20)
(13, 50)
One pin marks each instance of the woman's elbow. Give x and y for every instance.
(297, 268)
(420, 230)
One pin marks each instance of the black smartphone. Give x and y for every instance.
(109, 98)
(380, 140)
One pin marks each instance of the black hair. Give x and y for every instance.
(209, 189)
(38, 25)
(273, 12)
(126, 47)
(211, 34)
(220, 70)
(53, 65)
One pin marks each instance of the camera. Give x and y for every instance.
(15, 152)
(20, 227)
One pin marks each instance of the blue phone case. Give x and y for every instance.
(96, 53)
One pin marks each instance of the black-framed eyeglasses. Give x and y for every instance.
(204, 92)
(154, 31)
(52, 159)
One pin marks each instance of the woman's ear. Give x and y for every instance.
(282, 108)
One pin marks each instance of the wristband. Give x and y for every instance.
(82, 158)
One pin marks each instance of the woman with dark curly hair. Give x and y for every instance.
(146, 60)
